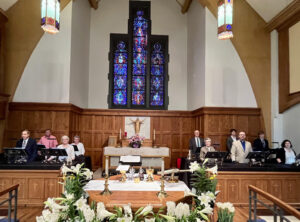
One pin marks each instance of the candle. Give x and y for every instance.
(120, 134)
(162, 166)
(154, 134)
(106, 165)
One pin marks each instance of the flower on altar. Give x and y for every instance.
(226, 205)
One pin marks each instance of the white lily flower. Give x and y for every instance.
(194, 166)
(127, 210)
(182, 210)
(80, 203)
(171, 208)
(213, 170)
(207, 210)
(188, 193)
(146, 210)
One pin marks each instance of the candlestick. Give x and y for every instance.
(106, 191)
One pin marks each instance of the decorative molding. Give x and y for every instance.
(94, 3)
(286, 99)
(186, 5)
(280, 20)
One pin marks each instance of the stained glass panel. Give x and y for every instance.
(120, 69)
(120, 97)
(138, 82)
(140, 44)
(120, 75)
(140, 58)
(120, 82)
(140, 25)
(120, 58)
(157, 70)
(139, 69)
(156, 83)
(157, 76)
(157, 98)
(138, 97)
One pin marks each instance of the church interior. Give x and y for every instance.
(149, 110)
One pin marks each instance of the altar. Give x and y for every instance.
(150, 157)
(137, 194)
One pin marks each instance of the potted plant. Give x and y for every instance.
(136, 141)
(225, 212)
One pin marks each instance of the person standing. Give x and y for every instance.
(232, 138)
(28, 144)
(205, 149)
(196, 143)
(260, 143)
(240, 149)
(286, 154)
(79, 145)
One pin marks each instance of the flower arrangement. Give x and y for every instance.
(72, 206)
(225, 212)
(136, 141)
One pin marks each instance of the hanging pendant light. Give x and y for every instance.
(50, 15)
(225, 19)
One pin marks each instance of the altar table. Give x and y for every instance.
(151, 157)
(138, 195)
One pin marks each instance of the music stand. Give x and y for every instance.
(15, 155)
(75, 147)
(221, 155)
(259, 156)
(40, 147)
(54, 152)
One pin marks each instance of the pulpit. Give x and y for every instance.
(151, 157)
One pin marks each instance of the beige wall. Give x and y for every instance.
(294, 51)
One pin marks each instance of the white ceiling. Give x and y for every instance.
(6, 4)
(268, 9)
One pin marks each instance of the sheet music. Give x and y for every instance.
(130, 159)
(123, 168)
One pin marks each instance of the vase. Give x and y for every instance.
(135, 144)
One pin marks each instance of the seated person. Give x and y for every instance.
(28, 144)
(260, 143)
(231, 139)
(286, 154)
(69, 149)
(240, 149)
(48, 140)
(79, 145)
(196, 143)
(207, 148)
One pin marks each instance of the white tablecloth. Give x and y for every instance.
(115, 185)
(143, 151)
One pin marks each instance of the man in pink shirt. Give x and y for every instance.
(49, 141)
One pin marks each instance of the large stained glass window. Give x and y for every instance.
(138, 61)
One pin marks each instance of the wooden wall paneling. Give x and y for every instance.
(173, 128)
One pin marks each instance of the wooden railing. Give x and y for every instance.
(12, 194)
(278, 207)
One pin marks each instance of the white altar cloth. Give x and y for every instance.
(115, 185)
(143, 151)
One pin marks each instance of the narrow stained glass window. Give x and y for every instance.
(140, 41)
(120, 75)
(157, 76)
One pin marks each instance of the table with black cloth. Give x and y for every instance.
(279, 180)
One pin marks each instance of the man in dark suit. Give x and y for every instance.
(29, 144)
(231, 139)
(260, 143)
(196, 143)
